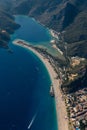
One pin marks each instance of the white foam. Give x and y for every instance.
(32, 121)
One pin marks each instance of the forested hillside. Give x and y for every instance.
(61, 15)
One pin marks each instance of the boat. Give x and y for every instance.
(52, 91)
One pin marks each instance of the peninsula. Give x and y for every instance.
(60, 104)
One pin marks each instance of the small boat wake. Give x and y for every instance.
(32, 121)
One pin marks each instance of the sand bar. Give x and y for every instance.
(60, 104)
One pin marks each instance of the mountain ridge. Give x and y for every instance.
(7, 27)
(69, 16)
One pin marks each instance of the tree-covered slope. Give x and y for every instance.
(7, 27)
(61, 15)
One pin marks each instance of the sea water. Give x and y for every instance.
(25, 102)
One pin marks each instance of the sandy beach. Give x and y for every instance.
(60, 104)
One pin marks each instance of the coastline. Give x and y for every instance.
(60, 104)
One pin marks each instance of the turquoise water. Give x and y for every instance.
(34, 33)
(25, 102)
(31, 31)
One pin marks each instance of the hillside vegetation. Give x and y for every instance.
(69, 16)
(7, 27)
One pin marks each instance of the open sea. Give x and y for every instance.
(25, 103)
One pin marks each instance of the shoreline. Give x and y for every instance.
(60, 104)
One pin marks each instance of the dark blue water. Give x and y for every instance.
(24, 87)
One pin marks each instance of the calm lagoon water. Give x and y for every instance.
(25, 102)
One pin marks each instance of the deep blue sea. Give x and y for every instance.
(25, 103)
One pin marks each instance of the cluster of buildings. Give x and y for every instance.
(76, 61)
(77, 107)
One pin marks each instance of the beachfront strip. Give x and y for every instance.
(62, 119)
(76, 102)
(71, 108)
